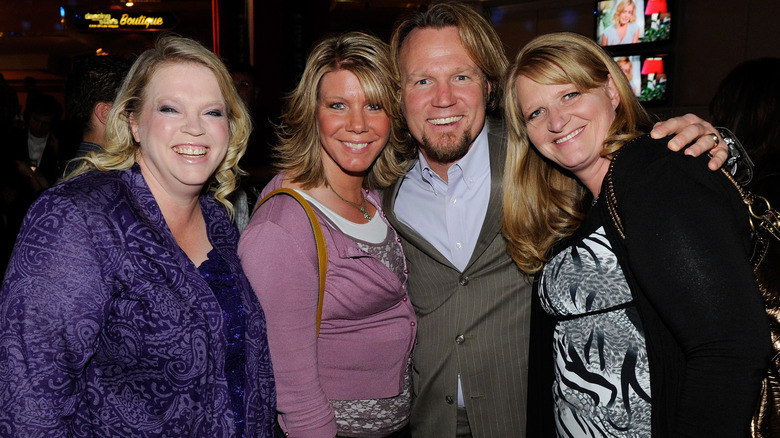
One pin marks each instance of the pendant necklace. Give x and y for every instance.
(361, 207)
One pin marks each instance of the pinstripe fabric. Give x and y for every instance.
(474, 322)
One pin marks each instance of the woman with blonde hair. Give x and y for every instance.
(623, 29)
(125, 311)
(651, 328)
(340, 139)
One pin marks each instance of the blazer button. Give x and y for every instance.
(463, 281)
(449, 399)
(460, 339)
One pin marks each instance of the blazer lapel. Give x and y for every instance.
(491, 226)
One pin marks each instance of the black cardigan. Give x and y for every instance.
(686, 259)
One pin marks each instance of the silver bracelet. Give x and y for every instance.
(738, 163)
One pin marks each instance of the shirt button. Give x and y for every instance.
(460, 339)
(453, 200)
(398, 240)
(463, 281)
(413, 323)
(449, 399)
(404, 299)
(406, 271)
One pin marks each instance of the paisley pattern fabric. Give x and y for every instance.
(602, 378)
(108, 329)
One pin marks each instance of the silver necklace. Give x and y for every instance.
(361, 207)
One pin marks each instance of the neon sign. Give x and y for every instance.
(122, 21)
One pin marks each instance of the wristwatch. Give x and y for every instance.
(739, 163)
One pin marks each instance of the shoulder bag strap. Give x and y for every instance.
(322, 251)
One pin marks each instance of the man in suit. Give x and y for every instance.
(472, 303)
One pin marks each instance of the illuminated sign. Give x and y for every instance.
(123, 21)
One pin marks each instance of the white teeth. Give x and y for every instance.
(355, 145)
(193, 151)
(445, 121)
(569, 137)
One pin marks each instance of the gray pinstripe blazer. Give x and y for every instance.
(474, 322)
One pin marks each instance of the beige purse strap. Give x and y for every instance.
(319, 238)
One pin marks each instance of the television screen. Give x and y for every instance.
(648, 75)
(632, 67)
(621, 22)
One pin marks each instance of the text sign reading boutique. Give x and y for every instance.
(122, 21)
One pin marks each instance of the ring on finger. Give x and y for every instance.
(715, 138)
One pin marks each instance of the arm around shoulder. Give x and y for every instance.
(699, 280)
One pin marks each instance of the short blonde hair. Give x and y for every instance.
(542, 204)
(478, 37)
(298, 152)
(120, 150)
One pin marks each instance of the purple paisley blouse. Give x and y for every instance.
(107, 328)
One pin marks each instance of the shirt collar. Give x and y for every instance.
(475, 162)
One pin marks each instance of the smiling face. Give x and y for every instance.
(444, 93)
(352, 130)
(568, 126)
(182, 128)
(627, 14)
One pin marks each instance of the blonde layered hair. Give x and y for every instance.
(299, 153)
(477, 36)
(619, 10)
(120, 149)
(542, 203)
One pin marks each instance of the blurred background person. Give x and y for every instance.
(125, 311)
(32, 163)
(655, 329)
(748, 103)
(341, 137)
(92, 85)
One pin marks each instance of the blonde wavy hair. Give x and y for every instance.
(298, 151)
(619, 10)
(542, 203)
(477, 35)
(120, 149)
